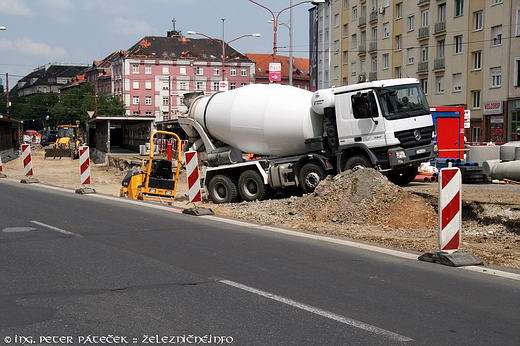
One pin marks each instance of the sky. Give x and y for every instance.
(79, 31)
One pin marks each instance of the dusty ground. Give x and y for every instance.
(370, 209)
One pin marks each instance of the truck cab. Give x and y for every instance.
(388, 120)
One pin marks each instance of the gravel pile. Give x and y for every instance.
(363, 197)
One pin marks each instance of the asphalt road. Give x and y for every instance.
(79, 265)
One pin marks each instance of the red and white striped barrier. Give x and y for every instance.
(450, 209)
(192, 172)
(84, 165)
(27, 160)
(1, 165)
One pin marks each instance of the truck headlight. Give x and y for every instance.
(400, 154)
(152, 190)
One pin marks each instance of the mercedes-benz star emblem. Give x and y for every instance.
(417, 135)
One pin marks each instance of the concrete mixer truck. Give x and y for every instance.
(299, 137)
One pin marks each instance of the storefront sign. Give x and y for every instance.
(467, 119)
(275, 72)
(496, 120)
(493, 107)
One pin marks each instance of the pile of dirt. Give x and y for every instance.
(362, 197)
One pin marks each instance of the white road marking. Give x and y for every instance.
(373, 248)
(317, 311)
(18, 229)
(55, 228)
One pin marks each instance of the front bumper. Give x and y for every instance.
(399, 156)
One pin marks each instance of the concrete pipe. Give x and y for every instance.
(506, 170)
(507, 151)
(488, 165)
(517, 153)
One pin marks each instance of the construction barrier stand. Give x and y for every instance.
(84, 164)
(450, 209)
(192, 172)
(27, 160)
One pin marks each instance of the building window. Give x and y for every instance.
(165, 85)
(336, 20)
(165, 70)
(517, 72)
(457, 82)
(165, 101)
(410, 23)
(518, 21)
(345, 57)
(135, 68)
(439, 84)
(410, 55)
(424, 54)
(148, 100)
(441, 13)
(424, 85)
(398, 42)
(135, 84)
(148, 85)
(345, 30)
(496, 35)
(354, 13)
(475, 97)
(336, 47)
(148, 113)
(215, 86)
(495, 75)
(374, 65)
(243, 84)
(136, 113)
(216, 72)
(425, 18)
(232, 85)
(135, 100)
(354, 41)
(233, 72)
(182, 71)
(497, 2)
(477, 60)
(475, 134)
(478, 20)
(147, 69)
(399, 10)
(199, 71)
(386, 62)
(398, 72)
(199, 85)
(441, 44)
(182, 86)
(386, 30)
(459, 8)
(458, 44)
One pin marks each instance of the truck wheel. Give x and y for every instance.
(356, 162)
(403, 177)
(251, 186)
(222, 189)
(310, 176)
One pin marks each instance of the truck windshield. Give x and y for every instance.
(403, 101)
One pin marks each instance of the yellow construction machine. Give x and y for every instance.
(157, 178)
(67, 143)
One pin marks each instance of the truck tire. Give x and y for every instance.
(310, 176)
(251, 186)
(222, 189)
(403, 177)
(356, 162)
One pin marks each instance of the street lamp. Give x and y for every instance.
(3, 28)
(274, 19)
(223, 57)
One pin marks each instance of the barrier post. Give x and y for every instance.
(449, 232)
(27, 165)
(194, 189)
(84, 171)
(2, 175)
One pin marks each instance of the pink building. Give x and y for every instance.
(154, 74)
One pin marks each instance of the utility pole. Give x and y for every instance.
(291, 42)
(7, 94)
(223, 49)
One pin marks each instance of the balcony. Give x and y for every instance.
(439, 64)
(424, 33)
(422, 67)
(372, 76)
(372, 47)
(362, 48)
(373, 17)
(440, 28)
(362, 21)
(423, 2)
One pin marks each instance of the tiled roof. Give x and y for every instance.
(48, 75)
(180, 47)
(300, 65)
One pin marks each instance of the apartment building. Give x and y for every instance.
(463, 52)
